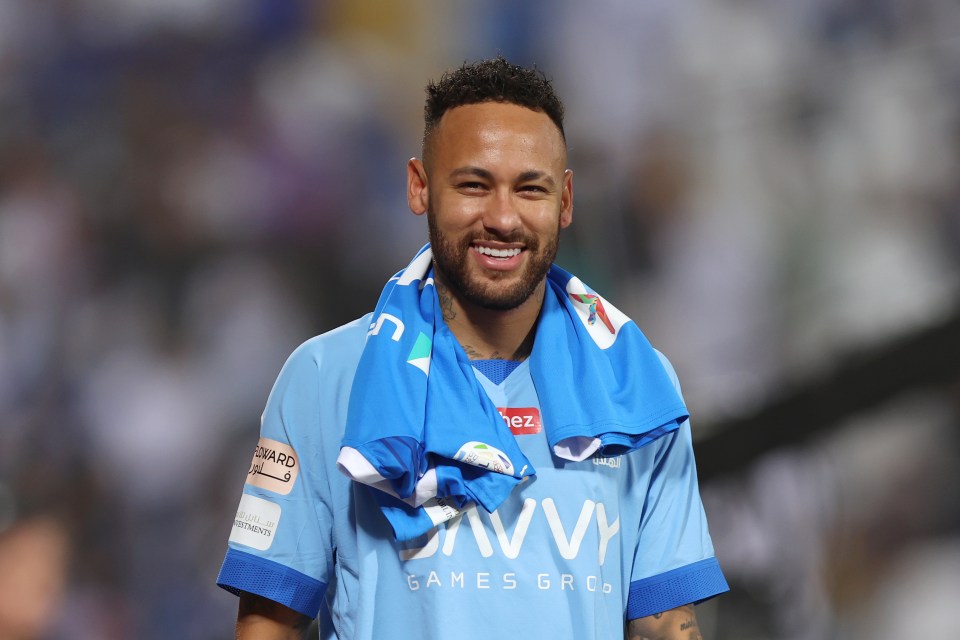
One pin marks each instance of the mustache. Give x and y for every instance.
(517, 237)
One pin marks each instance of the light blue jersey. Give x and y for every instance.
(572, 552)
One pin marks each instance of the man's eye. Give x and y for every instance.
(533, 188)
(470, 185)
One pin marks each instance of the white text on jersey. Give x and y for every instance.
(510, 545)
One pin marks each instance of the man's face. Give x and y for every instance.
(497, 194)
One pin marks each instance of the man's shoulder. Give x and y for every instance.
(338, 347)
(668, 367)
(347, 336)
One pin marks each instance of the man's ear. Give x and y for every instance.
(566, 200)
(417, 196)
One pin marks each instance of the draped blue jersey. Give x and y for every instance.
(572, 552)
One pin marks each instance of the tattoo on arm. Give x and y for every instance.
(689, 624)
(692, 629)
(676, 624)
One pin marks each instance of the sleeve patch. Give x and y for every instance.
(275, 466)
(256, 522)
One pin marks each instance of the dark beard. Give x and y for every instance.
(450, 261)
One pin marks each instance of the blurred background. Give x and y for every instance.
(191, 188)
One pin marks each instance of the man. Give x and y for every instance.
(495, 449)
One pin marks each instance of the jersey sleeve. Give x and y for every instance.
(281, 541)
(674, 562)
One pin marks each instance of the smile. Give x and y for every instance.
(502, 254)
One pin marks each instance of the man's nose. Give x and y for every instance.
(502, 216)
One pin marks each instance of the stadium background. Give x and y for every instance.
(190, 188)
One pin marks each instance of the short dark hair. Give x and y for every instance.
(494, 80)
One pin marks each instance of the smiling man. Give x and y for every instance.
(499, 196)
(496, 449)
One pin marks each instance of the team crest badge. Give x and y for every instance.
(595, 307)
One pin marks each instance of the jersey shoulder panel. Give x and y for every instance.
(338, 347)
(671, 372)
(323, 364)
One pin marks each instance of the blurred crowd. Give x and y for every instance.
(191, 188)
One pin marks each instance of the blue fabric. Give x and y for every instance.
(602, 523)
(496, 371)
(246, 572)
(416, 404)
(692, 583)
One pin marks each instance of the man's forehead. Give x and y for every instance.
(490, 121)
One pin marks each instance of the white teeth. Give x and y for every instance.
(497, 253)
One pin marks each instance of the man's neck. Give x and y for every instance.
(490, 334)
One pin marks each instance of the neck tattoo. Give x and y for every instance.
(446, 302)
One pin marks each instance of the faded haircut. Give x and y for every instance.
(494, 80)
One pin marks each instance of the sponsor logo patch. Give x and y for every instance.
(256, 522)
(275, 466)
(480, 454)
(601, 319)
(522, 421)
(595, 309)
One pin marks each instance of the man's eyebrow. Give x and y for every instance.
(533, 175)
(471, 171)
(527, 176)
